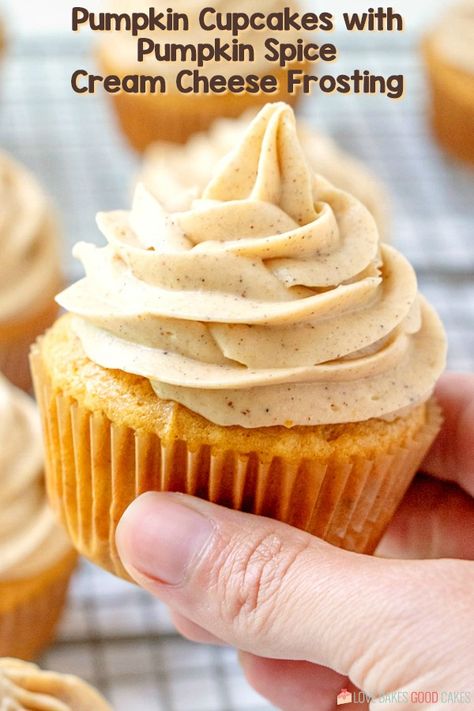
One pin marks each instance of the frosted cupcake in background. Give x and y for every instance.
(29, 268)
(449, 57)
(261, 350)
(175, 116)
(176, 175)
(24, 687)
(36, 559)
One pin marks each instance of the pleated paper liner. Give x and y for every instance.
(95, 469)
(30, 610)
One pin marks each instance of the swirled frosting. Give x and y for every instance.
(176, 174)
(269, 302)
(30, 540)
(29, 254)
(454, 36)
(121, 47)
(25, 687)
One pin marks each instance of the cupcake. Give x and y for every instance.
(260, 350)
(29, 268)
(177, 174)
(174, 116)
(449, 57)
(24, 687)
(36, 559)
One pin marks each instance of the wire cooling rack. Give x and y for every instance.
(113, 634)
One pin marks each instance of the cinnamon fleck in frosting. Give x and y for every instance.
(176, 174)
(271, 299)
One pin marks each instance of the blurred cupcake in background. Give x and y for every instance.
(36, 560)
(449, 56)
(175, 175)
(30, 272)
(3, 39)
(175, 116)
(26, 686)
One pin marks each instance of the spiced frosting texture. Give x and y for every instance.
(175, 174)
(269, 302)
(30, 540)
(25, 687)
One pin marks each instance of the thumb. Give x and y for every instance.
(278, 592)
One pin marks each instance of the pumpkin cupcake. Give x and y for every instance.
(30, 273)
(174, 116)
(36, 559)
(449, 57)
(24, 687)
(261, 350)
(175, 175)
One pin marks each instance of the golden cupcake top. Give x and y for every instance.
(25, 687)
(269, 302)
(453, 36)
(176, 174)
(28, 240)
(30, 540)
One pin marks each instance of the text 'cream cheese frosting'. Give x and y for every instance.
(454, 36)
(269, 301)
(25, 687)
(30, 540)
(29, 252)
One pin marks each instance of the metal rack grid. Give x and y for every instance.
(113, 634)
(121, 640)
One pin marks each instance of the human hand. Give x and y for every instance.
(309, 616)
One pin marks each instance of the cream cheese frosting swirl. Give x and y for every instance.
(176, 174)
(25, 687)
(454, 36)
(269, 302)
(30, 540)
(29, 264)
(121, 47)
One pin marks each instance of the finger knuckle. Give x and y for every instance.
(252, 581)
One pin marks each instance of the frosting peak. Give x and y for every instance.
(176, 174)
(271, 294)
(269, 166)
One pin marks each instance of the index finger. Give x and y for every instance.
(452, 455)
